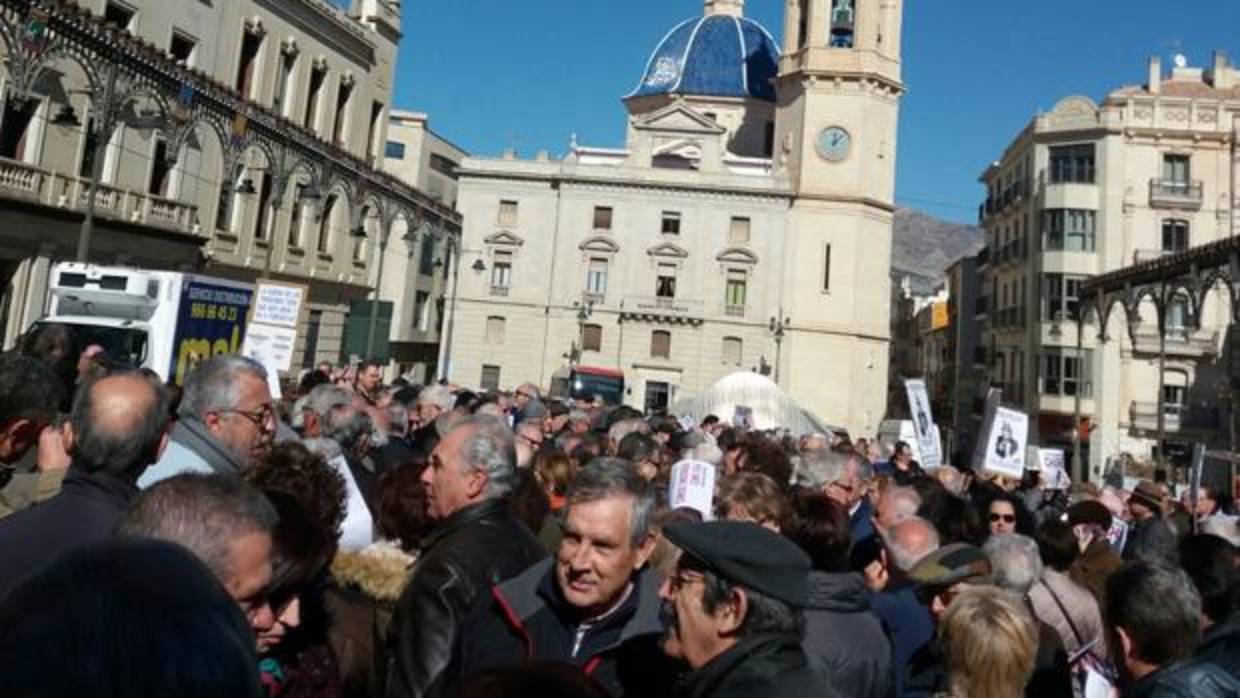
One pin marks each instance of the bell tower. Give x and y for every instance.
(838, 98)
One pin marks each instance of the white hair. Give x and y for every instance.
(820, 467)
(1015, 560)
(439, 395)
(909, 540)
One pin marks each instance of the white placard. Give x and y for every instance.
(270, 345)
(1005, 444)
(277, 304)
(1054, 475)
(357, 530)
(742, 417)
(693, 485)
(923, 423)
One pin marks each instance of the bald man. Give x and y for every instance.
(118, 427)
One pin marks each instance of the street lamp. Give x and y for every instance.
(777, 328)
(584, 311)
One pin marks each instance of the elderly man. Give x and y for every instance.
(432, 402)
(1155, 612)
(118, 427)
(225, 523)
(735, 607)
(227, 421)
(896, 601)
(594, 605)
(1090, 520)
(476, 542)
(838, 475)
(525, 394)
(529, 440)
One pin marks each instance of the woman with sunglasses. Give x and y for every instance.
(1005, 513)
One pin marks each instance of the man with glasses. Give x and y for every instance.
(734, 610)
(226, 421)
(837, 474)
(529, 439)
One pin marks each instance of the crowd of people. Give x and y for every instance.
(356, 538)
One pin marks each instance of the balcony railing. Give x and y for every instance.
(732, 310)
(25, 182)
(1176, 417)
(1175, 194)
(499, 290)
(1179, 342)
(1146, 255)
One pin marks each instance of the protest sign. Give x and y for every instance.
(1054, 474)
(923, 423)
(1006, 442)
(693, 485)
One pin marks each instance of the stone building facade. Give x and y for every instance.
(1088, 188)
(745, 224)
(290, 187)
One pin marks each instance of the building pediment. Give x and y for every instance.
(598, 243)
(737, 255)
(667, 249)
(679, 118)
(505, 238)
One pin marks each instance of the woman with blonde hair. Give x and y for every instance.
(988, 641)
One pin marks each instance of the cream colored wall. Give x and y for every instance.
(345, 44)
(1126, 160)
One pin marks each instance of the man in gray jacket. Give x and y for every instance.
(226, 421)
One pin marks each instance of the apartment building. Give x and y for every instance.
(1084, 189)
(238, 138)
(418, 272)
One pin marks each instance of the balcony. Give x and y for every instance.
(731, 310)
(21, 181)
(1176, 418)
(1179, 342)
(1176, 194)
(497, 290)
(595, 297)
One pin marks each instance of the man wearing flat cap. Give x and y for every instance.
(734, 612)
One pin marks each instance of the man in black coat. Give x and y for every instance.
(1155, 612)
(594, 606)
(735, 604)
(476, 543)
(118, 427)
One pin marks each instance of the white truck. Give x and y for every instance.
(162, 320)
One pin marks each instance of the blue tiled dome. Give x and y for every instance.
(716, 56)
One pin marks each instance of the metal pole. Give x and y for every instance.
(456, 283)
(1162, 418)
(1077, 465)
(105, 134)
(374, 301)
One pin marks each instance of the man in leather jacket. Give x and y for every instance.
(1156, 614)
(476, 543)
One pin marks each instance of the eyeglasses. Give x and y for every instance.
(1005, 518)
(680, 580)
(260, 417)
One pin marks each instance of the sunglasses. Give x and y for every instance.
(1005, 518)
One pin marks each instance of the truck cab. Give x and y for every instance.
(161, 320)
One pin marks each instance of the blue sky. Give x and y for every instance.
(495, 74)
